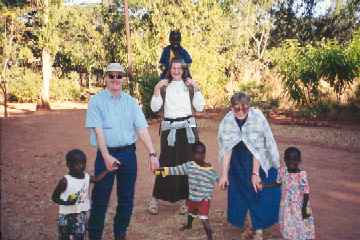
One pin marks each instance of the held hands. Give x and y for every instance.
(153, 163)
(256, 182)
(224, 182)
(111, 163)
(159, 172)
(305, 213)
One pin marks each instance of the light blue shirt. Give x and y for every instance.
(120, 117)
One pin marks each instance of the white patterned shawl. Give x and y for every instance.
(256, 135)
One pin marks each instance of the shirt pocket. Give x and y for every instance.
(106, 123)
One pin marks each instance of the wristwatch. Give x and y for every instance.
(153, 154)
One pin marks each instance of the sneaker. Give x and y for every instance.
(153, 206)
(183, 208)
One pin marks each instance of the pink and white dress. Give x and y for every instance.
(292, 224)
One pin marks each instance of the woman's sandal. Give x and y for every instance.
(153, 207)
(246, 234)
(258, 235)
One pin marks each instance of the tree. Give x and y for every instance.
(47, 34)
(7, 41)
(12, 47)
(80, 46)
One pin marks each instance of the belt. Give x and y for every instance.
(177, 119)
(130, 147)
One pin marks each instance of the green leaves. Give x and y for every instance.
(304, 67)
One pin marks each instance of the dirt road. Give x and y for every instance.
(32, 159)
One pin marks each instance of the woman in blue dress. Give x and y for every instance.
(249, 156)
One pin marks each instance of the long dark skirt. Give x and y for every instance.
(173, 188)
(262, 206)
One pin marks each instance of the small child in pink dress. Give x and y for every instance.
(295, 217)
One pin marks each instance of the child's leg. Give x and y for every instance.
(190, 220)
(207, 227)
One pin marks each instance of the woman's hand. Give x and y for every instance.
(159, 85)
(256, 182)
(224, 182)
(192, 82)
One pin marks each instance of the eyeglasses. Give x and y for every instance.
(115, 76)
(242, 108)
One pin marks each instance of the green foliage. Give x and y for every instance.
(336, 67)
(353, 51)
(65, 90)
(24, 85)
(147, 83)
(232, 44)
(81, 47)
(304, 67)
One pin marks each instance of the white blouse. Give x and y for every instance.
(177, 101)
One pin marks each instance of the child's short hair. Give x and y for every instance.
(292, 154)
(74, 156)
(198, 144)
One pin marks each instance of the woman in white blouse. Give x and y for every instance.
(176, 96)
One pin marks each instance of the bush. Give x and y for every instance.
(147, 83)
(24, 85)
(304, 67)
(64, 90)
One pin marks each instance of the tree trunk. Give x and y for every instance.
(5, 101)
(46, 74)
(128, 44)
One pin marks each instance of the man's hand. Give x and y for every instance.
(111, 163)
(224, 182)
(153, 163)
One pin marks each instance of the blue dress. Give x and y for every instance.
(264, 205)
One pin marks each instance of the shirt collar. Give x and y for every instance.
(108, 94)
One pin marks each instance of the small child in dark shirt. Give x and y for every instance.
(173, 51)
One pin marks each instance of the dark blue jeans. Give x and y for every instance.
(125, 188)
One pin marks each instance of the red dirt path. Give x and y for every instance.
(32, 159)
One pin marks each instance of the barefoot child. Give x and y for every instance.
(295, 218)
(72, 195)
(202, 179)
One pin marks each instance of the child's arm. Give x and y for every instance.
(60, 188)
(178, 170)
(304, 212)
(270, 185)
(94, 179)
(306, 190)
